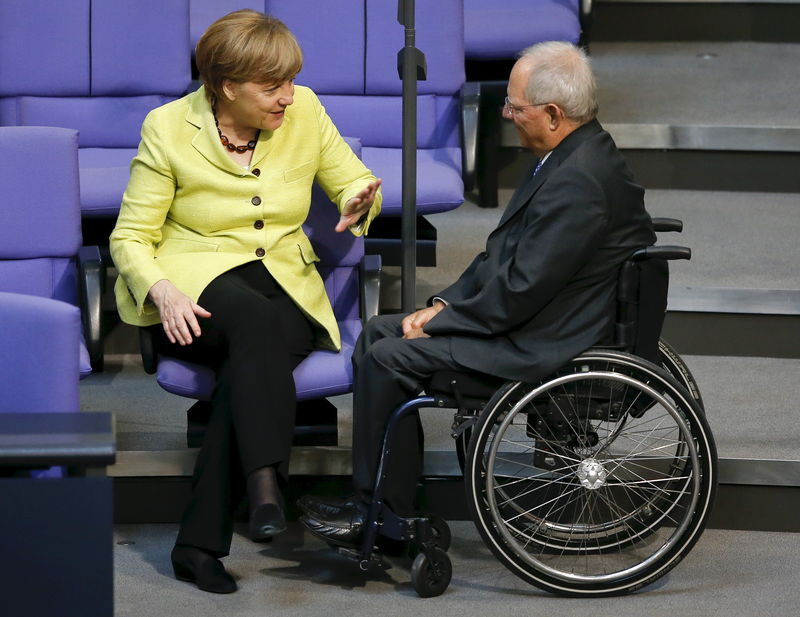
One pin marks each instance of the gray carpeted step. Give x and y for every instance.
(749, 403)
(738, 240)
(708, 84)
(722, 96)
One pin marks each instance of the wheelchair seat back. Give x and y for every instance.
(642, 286)
(641, 305)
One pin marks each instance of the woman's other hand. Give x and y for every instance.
(178, 313)
(358, 206)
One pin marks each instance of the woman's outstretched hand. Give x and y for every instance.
(358, 206)
(178, 313)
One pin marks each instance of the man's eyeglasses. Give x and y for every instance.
(516, 109)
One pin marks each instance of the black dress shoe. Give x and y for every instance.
(265, 521)
(345, 529)
(194, 565)
(328, 507)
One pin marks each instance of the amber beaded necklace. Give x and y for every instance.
(250, 145)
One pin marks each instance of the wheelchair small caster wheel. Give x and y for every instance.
(431, 573)
(440, 534)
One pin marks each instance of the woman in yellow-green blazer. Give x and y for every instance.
(212, 257)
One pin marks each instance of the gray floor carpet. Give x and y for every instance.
(728, 573)
(699, 83)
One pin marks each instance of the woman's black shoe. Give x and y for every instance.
(194, 565)
(266, 520)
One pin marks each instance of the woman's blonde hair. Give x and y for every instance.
(246, 46)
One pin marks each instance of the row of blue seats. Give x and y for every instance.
(492, 30)
(105, 64)
(43, 266)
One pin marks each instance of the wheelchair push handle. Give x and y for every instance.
(662, 252)
(667, 224)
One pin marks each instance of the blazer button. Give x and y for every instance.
(259, 224)
(256, 201)
(260, 252)
(256, 172)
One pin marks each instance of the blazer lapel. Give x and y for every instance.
(526, 191)
(206, 141)
(264, 145)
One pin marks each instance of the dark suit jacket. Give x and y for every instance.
(545, 288)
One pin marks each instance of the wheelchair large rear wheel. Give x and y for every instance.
(674, 364)
(668, 359)
(595, 482)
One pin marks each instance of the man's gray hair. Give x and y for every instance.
(562, 75)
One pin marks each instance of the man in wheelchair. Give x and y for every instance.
(543, 291)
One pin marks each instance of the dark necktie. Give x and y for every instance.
(538, 166)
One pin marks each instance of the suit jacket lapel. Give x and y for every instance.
(524, 193)
(526, 190)
(206, 141)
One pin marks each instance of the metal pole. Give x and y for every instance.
(409, 177)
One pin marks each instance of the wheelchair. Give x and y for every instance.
(595, 481)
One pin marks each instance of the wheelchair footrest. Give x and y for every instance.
(363, 563)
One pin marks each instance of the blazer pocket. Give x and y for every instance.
(290, 175)
(175, 246)
(307, 251)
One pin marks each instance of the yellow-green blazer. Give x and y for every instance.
(190, 212)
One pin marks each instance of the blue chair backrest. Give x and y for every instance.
(203, 13)
(39, 363)
(40, 226)
(500, 29)
(339, 253)
(350, 50)
(102, 65)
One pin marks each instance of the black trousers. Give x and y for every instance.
(254, 339)
(390, 370)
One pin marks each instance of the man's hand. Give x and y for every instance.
(178, 313)
(416, 333)
(358, 206)
(413, 323)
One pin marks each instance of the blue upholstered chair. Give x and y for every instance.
(202, 13)
(102, 65)
(351, 282)
(501, 29)
(40, 228)
(40, 339)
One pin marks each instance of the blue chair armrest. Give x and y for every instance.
(585, 11)
(148, 350)
(91, 276)
(370, 278)
(470, 114)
